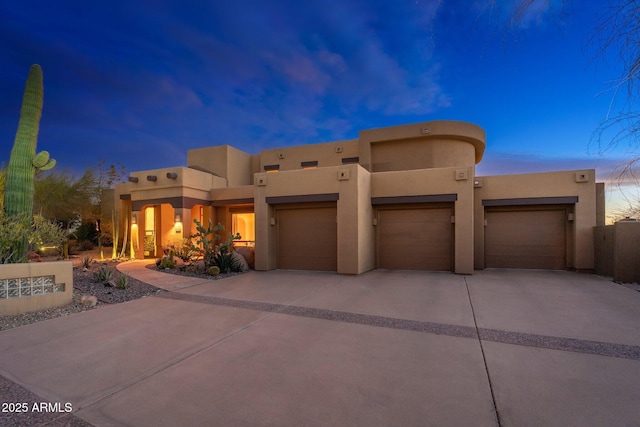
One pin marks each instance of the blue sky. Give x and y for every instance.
(142, 82)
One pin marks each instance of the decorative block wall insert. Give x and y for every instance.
(29, 286)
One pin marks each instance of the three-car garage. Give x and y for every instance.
(421, 236)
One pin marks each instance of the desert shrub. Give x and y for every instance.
(203, 242)
(87, 231)
(225, 262)
(12, 230)
(213, 271)
(213, 254)
(103, 275)
(166, 262)
(86, 262)
(37, 232)
(86, 245)
(122, 282)
(185, 251)
(45, 233)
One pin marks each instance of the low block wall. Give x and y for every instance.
(35, 286)
(617, 249)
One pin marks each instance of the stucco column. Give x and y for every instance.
(265, 226)
(348, 217)
(464, 228)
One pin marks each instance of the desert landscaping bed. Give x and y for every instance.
(84, 283)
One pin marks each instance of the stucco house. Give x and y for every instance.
(401, 197)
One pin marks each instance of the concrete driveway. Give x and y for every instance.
(386, 348)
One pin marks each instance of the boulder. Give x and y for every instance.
(248, 254)
(240, 261)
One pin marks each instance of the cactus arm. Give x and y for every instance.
(41, 161)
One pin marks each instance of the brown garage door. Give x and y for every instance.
(415, 238)
(526, 239)
(307, 238)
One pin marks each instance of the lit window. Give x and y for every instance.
(244, 224)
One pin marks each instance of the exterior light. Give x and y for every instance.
(178, 224)
(134, 218)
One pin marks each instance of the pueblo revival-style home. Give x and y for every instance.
(401, 197)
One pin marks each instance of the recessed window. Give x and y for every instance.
(271, 168)
(309, 165)
(346, 160)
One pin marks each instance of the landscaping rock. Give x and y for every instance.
(248, 254)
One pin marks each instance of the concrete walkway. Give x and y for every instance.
(386, 348)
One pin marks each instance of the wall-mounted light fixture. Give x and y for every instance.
(134, 218)
(178, 224)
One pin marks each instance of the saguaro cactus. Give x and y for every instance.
(23, 163)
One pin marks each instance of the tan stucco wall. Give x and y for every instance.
(437, 182)
(366, 230)
(61, 270)
(306, 182)
(626, 260)
(232, 193)
(189, 183)
(326, 154)
(549, 184)
(418, 134)
(356, 234)
(224, 161)
(420, 153)
(600, 204)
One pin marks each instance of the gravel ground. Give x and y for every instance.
(197, 271)
(84, 283)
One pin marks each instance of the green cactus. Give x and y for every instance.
(24, 162)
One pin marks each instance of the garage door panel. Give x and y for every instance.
(307, 239)
(533, 239)
(415, 239)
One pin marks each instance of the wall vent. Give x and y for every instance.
(582, 176)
